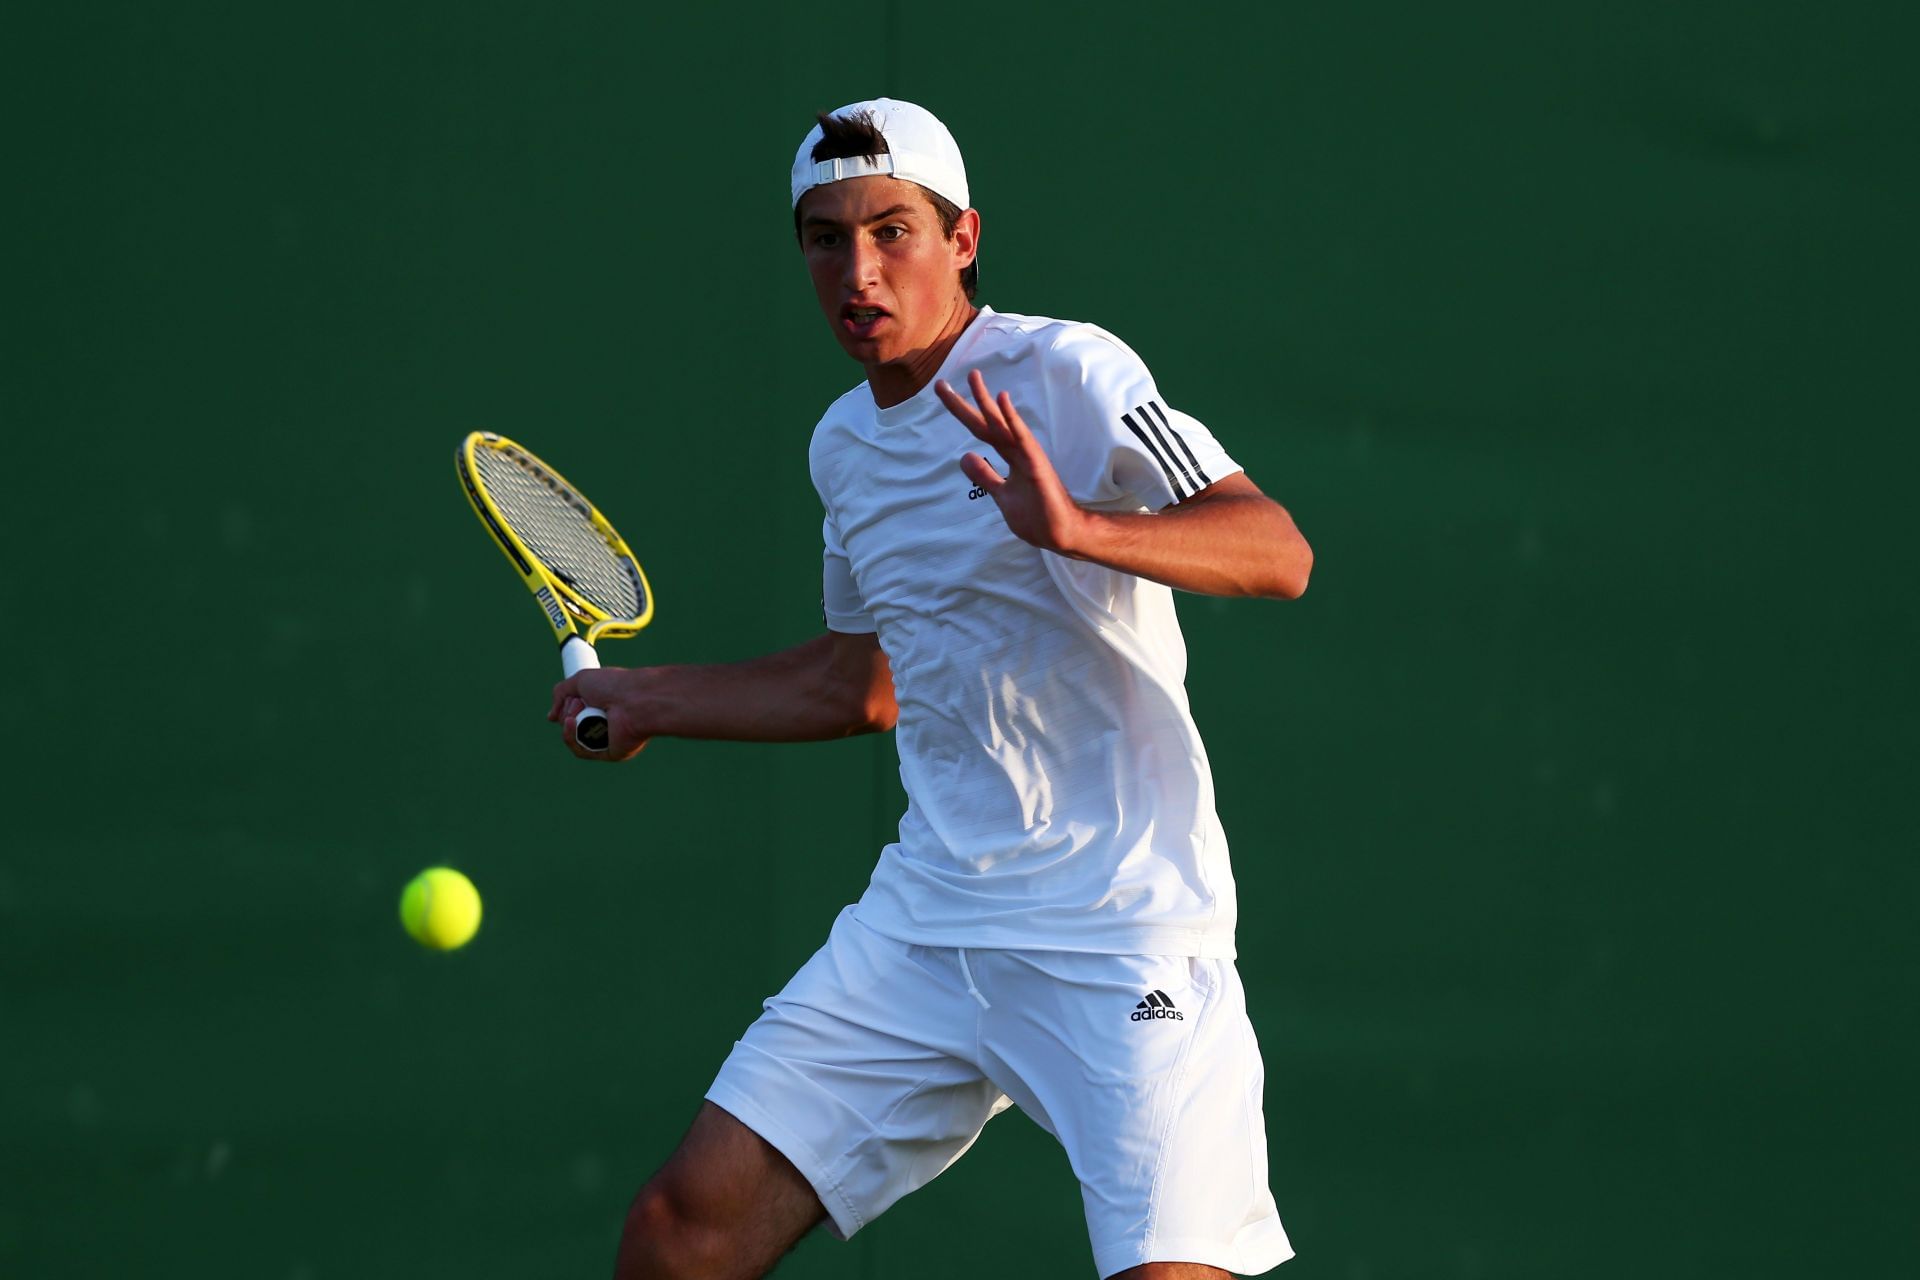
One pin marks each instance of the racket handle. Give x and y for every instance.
(590, 726)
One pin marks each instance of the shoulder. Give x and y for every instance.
(848, 416)
(847, 422)
(1072, 351)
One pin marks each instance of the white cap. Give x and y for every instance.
(919, 149)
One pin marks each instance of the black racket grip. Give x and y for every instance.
(590, 729)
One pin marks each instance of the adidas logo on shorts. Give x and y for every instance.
(1156, 1005)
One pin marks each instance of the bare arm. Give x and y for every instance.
(1229, 539)
(831, 686)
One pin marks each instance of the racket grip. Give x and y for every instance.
(590, 726)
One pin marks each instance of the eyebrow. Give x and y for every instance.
(814, 219)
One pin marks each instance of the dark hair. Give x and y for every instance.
(843, 137)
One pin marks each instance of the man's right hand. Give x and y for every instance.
(609, 689)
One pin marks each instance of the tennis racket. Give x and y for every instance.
(568, 555)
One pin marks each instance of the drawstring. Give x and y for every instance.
(968, 974)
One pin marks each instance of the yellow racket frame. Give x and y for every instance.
(565, 610)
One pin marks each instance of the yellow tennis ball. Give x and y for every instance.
(440, 908)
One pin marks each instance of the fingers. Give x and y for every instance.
(567, 706)
(969, 416)
(597, 687)
(983, 417)
(991, 418)
(1016, 426)
(984, 398)
(981, 472)
(995, 412)
(998, 409)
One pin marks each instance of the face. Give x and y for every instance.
(887, 279)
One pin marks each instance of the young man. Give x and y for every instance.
(1008, 501)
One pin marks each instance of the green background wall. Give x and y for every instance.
(1571, 808)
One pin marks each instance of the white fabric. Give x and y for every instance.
(919, 149)
(880, 1063)
(1059, 795)
(844, 167)
(576, 655)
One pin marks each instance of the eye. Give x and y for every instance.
(892, 231)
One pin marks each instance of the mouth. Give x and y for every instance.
(863, 322)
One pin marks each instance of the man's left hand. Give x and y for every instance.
(1031, 498)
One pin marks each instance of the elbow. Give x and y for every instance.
(1290, 582)
(877, 713)
(856, 691)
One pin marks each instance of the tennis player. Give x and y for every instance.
(1009, 502)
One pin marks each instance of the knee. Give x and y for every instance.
(665, 1238)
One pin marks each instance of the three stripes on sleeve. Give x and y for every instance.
(1153, 429)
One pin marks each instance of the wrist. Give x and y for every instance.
(1086, 535)
(647, 697)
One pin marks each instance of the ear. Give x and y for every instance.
(966, 239)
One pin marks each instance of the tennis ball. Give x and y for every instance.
(440, 908)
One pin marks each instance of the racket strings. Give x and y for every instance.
(557, 526)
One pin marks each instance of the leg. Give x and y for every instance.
(1171, 1149)
(725, 1206)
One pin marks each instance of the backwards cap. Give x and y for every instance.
(919, 149)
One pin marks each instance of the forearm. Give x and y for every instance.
(803, 694)
(1232, 544)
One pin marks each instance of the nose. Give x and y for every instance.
(863, 265)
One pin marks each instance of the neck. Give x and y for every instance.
(901, 380)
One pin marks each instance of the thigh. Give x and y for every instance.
(862, 1072)
(726, 1201)
(1147, 1071)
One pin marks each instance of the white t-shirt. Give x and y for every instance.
(1058, 794)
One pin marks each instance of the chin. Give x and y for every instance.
(868, 353)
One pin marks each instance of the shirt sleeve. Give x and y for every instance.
(840, 604)
(1111, 435)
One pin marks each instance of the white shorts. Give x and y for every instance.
(881, 1061)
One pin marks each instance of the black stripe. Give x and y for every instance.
(1169, 449)
(1204, 478)
(1173, 484)
(1163, 999)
